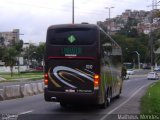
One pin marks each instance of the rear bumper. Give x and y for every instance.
(85, 98)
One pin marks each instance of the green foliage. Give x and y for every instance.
(131, 44)
(129, 28)
(19, 45)
(40, 52)
(1, 53)
(158, 13)
(34, 52)
(2, 41)
(10, 54)
(10, 57)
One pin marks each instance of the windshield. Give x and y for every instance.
(71, 36)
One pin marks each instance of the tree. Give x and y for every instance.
(10, 57)
(129, 29)
(40, 52)
(28, 53)
(1, 52)
(34, 52)
(11, 53)
(19, 45)
(131, 44)
(2, 41)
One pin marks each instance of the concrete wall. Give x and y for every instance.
(17, 91)
(15, 69)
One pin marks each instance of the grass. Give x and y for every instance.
(16, 76)
(150, 102)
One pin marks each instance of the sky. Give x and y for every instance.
(33, 17)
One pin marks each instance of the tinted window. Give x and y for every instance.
(72, 36)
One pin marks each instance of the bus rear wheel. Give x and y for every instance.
(106, 103)
(107, 100)
(63, 104)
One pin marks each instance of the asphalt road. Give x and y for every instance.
(35, 108)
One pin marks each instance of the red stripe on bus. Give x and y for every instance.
(69, 57)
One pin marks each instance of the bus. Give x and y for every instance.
(82, 64)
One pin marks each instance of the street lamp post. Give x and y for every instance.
(109, 22)
(138, 59)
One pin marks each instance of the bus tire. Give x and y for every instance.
(109, 96)
(47, 98)
(63, 104)
(104, 105)
(107, 100)
(118, 96)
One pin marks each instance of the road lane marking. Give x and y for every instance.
(110, 112)
(26, 112)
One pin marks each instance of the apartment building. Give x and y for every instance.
(9, 37)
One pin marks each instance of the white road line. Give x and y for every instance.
(110, 112)
(26, 112)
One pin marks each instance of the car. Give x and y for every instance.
(39, 68)
(152, 76)
(157, 68)
(130, 72)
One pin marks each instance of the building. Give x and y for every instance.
(10, 37)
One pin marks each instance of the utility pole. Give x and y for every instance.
(150, 33)
(109, 21)
(72, 11)
(154, 6)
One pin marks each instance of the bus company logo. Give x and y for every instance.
(71, 38)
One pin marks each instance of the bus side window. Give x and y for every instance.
(107, 48)
(105, 56)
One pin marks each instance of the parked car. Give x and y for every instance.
(152, 76)
(130, 72)
(39, 68)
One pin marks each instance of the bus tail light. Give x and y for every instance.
(45, 79)
(96, 81)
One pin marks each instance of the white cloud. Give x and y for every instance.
(33, 17)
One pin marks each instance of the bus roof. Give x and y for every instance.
(73, 26)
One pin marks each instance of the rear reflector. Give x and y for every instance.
(46, 79)
(96, 81)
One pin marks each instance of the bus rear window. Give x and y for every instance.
(71, 36)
